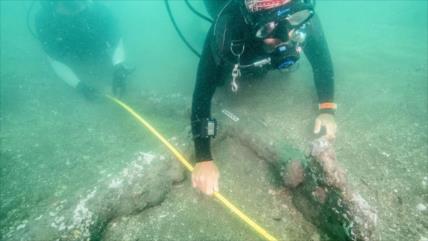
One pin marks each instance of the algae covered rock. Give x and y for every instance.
(143, 183)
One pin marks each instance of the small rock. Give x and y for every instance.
(21, 226)
(425, 182)
(315, 237)
(421, 207)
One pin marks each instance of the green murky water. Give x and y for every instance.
(56, 147)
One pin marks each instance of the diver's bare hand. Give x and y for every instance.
(327, 121)
(205, 177)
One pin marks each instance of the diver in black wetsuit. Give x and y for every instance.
(251, 35)
(72, 31)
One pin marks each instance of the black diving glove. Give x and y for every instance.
(120, 78)
(89, 92)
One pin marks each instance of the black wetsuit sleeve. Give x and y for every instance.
(93, 32)
(318, 54)
(206, 82)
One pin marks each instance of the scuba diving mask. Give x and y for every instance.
(284, 23)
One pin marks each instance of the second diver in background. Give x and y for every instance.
(76, 31)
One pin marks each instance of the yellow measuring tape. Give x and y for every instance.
(189, 167)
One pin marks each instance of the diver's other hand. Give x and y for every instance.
(205, 177)
(120, 77)
(89, 92)
(328, 122)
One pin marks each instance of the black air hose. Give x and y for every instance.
(168, 9)
(198, 13)
(30, 9)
